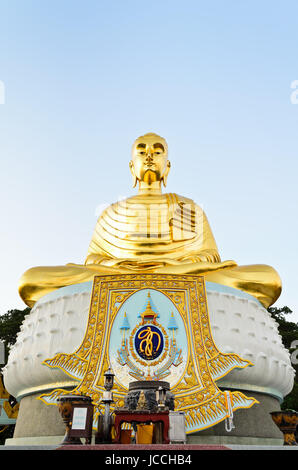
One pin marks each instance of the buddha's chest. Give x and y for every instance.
(163, 218)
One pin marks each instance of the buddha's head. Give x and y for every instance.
(149, 163)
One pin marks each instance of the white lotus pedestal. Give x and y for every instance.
(239, 325)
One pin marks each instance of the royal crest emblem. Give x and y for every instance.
(149, 352)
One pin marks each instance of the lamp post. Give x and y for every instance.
(107, 400)
(109, 379)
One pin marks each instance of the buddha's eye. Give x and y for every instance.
(142, 153)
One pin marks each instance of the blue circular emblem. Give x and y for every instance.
(149, 342)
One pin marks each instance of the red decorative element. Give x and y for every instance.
(125, 416)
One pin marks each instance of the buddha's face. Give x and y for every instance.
(150, 159)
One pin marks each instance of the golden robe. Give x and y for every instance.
(163, 233)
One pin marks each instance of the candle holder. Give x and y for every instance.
(287, 421)
(103, 435)
(161, 398)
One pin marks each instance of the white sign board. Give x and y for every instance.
(177, 426)
(79, 418)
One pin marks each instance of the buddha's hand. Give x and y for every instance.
(206, 256)
(115, 262)
(96, 259)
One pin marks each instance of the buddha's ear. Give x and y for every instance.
(165, 175)
(132, 170)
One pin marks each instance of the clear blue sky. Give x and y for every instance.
(83, 79)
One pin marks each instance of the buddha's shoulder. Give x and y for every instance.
(165, 197)
(181, 199)
(138, 201)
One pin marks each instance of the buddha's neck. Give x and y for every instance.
(149, 189)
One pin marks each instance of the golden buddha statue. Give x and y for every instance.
(153, 232)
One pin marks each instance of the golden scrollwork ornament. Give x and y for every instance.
(153, 327)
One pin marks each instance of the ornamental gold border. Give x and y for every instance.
(188, 294)
(169, 285)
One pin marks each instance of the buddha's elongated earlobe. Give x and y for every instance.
(134, 178)
(165, 175)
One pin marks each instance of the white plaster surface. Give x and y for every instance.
(239, 324)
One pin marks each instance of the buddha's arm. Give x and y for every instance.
(204, 248)
(94, 258)
(96, 254)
